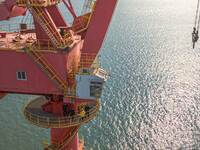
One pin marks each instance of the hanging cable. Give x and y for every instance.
(196, 14)
(195, 32)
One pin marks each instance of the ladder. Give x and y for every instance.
(47, 68)
(87, 7)
(41, 15)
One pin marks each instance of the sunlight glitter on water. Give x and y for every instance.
(152, 99)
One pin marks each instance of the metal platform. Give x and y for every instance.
(35, 115)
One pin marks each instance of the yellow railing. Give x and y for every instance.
(38, 12)
(87, 6)
(81, 21)
(40, 45)
(44, 45)
(42, 17)
(38, 2)
(60, 121)
(62, 143)
(51, 72)
(15, 27)
(87, 61)
(67, 139)
(90, 60)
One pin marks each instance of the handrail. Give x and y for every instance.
(60, 121)
(38, 2)
(14, 27)
(80, 105)
(87, 6)
(94, 5)
(43, 45)
(47, 24)
(60, 144)
(45, 19)
(88, 61)
(49, 69)
(68, 139)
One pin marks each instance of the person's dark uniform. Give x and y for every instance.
(195, 36)
(65, 109)
(87, 108)
(72, 113)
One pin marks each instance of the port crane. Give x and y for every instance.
(57, 62)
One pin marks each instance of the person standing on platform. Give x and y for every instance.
(65, 109)
(82, 114)
(87, 108)
(72, 113)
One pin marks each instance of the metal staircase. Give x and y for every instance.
(61, 143)
(87, 7)
(82, 23)
(41, 15)
(47, 68)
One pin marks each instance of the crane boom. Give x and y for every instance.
(9, 9)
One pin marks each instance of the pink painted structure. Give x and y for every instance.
(36, 81)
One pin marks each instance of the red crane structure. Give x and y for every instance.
(57, 62)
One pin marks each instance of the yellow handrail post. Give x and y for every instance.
(48, 45)
(38, 120)
(59, 122)
(39, 45)
(48, 121)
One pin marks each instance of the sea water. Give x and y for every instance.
(151, 100)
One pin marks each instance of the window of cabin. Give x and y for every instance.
(96, 89)
(21, 75)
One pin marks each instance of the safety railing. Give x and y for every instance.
(81, 21)
(88, 62)
(8, 44)
(38, 2)
(87, 7)
(67, 139)
(15, 27)
(49, 70)
(60, 121)
(62, 143)
(46, 23)
(42, 45)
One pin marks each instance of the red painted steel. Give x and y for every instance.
(9, 9)
(37, 82)
(56, 16)
(43, 18)
(2, 95)
(98, 26)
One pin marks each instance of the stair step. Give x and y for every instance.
(52, 75)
